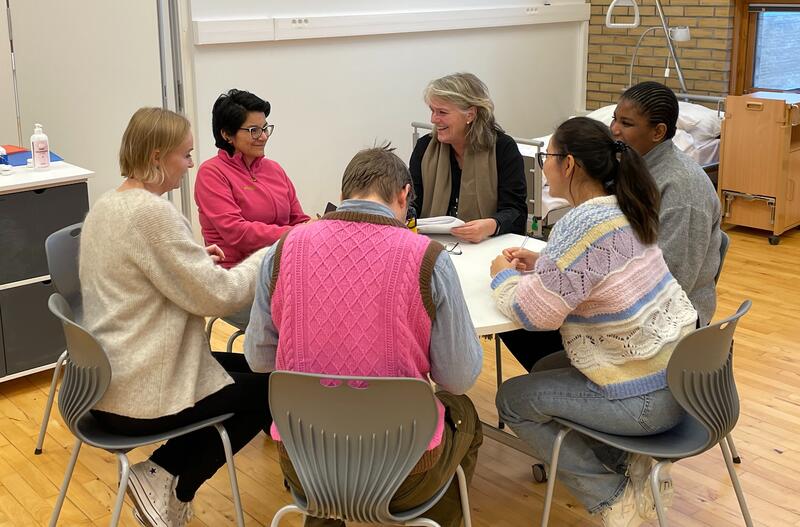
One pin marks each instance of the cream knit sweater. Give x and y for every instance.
(146, 286)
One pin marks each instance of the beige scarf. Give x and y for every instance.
(477, 197)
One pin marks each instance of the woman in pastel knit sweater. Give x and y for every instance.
(146, 285)
(603, 282)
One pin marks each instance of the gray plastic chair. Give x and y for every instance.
(61, 249)
(87, 374)
(700, 377)
(240, 329)
(352, 446)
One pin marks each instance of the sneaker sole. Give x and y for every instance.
(148, 516)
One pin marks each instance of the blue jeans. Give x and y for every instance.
(592, 471)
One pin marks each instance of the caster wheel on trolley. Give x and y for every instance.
(539, 473)
(774, 240)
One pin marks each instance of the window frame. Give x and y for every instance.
(745, 26)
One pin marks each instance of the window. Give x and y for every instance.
(766, 47)
(777, 48)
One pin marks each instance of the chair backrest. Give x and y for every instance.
(724, 241)
(352, 440)
(62, 248)
(87, 371)
(700, 376)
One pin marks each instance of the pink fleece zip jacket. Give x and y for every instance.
(244, 209)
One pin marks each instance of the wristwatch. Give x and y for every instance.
(496, 229)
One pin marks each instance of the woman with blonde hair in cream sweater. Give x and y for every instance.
(603, 282)
(146, 287)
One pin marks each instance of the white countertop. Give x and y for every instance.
(473, 272)
(59, 173)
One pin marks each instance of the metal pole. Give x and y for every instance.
(14, 74)
(177, 75)
(162, 38)
(669, 45)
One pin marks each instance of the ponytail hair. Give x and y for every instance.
(618, 167)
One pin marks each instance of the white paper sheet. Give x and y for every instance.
(437, 224)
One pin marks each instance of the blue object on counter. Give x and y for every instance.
(20, 159)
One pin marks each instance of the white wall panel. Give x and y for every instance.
(83, 69)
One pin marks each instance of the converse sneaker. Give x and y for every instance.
(150, 487)
(639, 468)
(180, 512)
(623, 512)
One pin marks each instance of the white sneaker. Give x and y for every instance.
(639, 468)
(180, 512)
(151, 487)
(622, 513)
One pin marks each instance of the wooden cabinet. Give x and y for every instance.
(759, 178)
(33, 204)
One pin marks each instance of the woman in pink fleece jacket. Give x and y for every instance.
(245, 201)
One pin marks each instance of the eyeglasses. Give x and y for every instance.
(453, 248)
(256, 131)
(540, 157)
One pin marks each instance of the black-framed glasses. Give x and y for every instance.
(256, 131)
(453, 248)
(541, 156)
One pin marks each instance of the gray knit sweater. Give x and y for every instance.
(689, 234)
(146, 286)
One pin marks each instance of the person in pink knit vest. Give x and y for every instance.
(358, 293)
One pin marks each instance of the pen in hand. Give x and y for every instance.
(522, 246)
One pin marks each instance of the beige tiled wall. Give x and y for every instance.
(705, 59)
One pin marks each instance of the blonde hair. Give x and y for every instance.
(150, 129)
(465, 90)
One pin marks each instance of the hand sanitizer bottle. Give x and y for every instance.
(40, 148)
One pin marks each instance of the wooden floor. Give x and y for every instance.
(502, 494)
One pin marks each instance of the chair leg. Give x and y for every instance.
(210, 326)
(283, 511)
(67, 476)
(124, 472)
(726, 453)
(464, 494)
(499, 368)
(734, 453)
(551, 480)
(49, 405)
(655, 487)
(237, 501)
(232, 338)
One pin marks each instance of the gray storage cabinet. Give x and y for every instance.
(30, 337)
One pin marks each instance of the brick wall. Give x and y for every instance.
(705, 59)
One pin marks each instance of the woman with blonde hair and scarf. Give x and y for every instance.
(468, 167)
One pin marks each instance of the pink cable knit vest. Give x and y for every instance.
(351, 296)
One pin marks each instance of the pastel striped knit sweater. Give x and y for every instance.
(619, 309)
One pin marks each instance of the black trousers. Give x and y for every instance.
(197, 456)
(530, 346)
